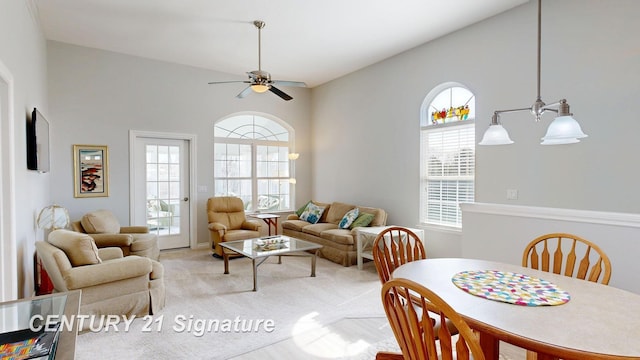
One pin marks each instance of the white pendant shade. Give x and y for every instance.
(563, 130)
(496, 135)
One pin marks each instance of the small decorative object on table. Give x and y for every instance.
(272, 243)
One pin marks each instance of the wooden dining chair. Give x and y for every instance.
(416, 333)
(594, 267)
(393, 247)
(396, 246)
(559, 252)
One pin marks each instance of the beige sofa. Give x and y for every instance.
(105, 229)
(338, 245)
(111, 283)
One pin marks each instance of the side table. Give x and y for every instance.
(365, 237)
(269, 219)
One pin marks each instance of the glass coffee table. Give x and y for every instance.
(259, 249)
(43, 327)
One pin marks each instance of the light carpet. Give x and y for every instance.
(197, 289)
(335, 315)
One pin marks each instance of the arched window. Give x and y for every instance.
(251, 161)
(447, 154)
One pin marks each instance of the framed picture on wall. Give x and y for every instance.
(90, 171)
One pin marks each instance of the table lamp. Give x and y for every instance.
(50, 218)
(53, 217)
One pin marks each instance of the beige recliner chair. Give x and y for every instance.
(111, 283)
(105, 229)
(227, 222)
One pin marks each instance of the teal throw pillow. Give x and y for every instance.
(349, 218)
(312, 213)
(363, 220)
(301, 210)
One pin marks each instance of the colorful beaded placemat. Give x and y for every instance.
(509, 287)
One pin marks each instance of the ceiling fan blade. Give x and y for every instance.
(289, 83)
(280, 93)
(244, 93)
(229, 82)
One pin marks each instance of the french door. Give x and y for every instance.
(161, 188)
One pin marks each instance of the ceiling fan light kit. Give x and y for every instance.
(563, 130)
(260, 88)
(260, 81)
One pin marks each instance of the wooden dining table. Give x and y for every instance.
(598, 322)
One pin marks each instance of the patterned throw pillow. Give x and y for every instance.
(349, 218)
(302, 208)
(363, 220)
(312, 213)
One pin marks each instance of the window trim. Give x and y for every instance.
(426, 124)
(254, 143)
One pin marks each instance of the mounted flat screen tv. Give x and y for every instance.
(37, 142)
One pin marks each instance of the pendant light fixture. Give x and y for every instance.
(564, 129)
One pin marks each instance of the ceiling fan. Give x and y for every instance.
(260, 81)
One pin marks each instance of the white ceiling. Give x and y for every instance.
(304, 40)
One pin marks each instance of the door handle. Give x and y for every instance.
(185, 198)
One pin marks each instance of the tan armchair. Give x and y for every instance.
(111, 284)
(227, 222)
(105, 229)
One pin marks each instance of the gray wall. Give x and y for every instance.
(23, 53)
(99, 96)
(501, 232)
(366, 124)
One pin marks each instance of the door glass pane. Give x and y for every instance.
(163, 154)
(152, 189)
(152, 172)
(174, 155)
(174, 172)
(163, 189)
(152, 154)
(163, 172)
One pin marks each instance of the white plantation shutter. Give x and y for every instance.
(448, 170)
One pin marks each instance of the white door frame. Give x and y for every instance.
(191, 139)
(8, 239)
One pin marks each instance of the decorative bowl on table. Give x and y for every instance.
(272, 243)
